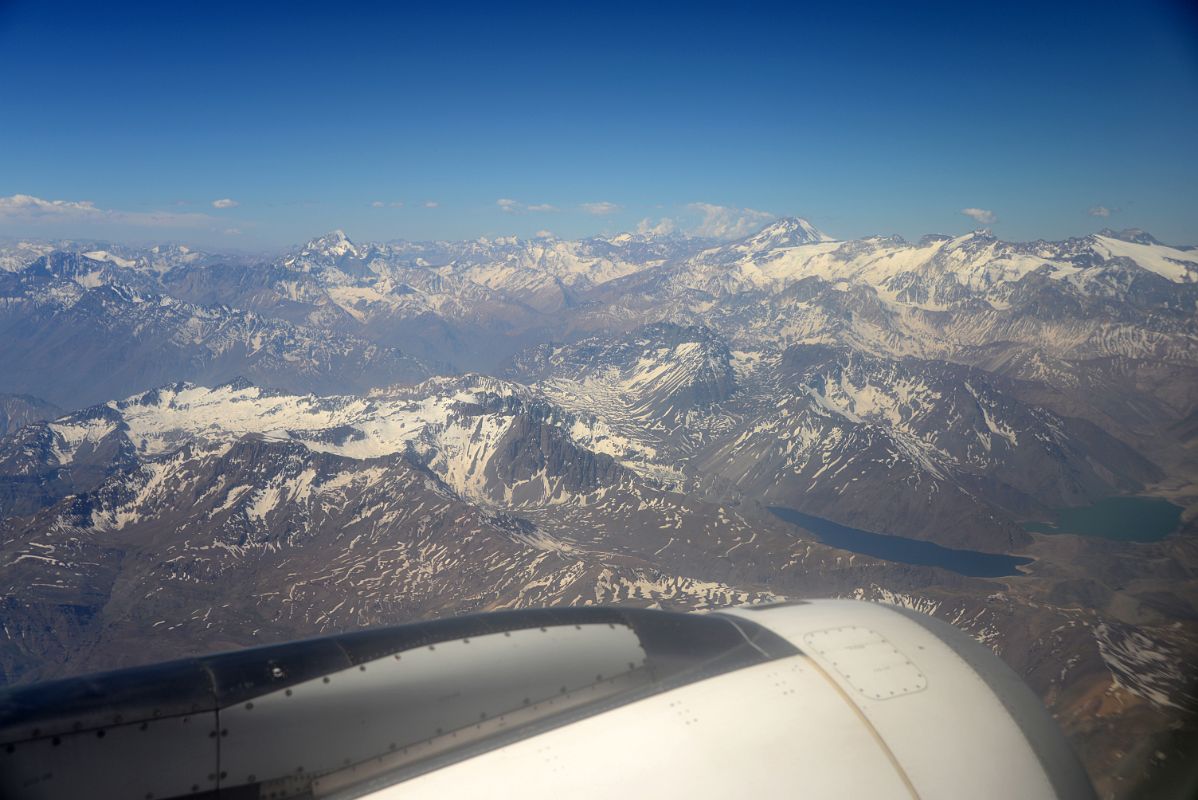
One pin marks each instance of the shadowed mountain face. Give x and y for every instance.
(635, 406)
(289, 514)
(932, 447)
(19, 410)
(76, 337)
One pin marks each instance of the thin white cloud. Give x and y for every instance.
(382, 204)
(25, 206)
(724, 222)
(1101, 211)
(661, 227)
(225, 202)
(430, 204)
(544, 234)
(27, 209)
(378, 204)
(600, 208)
(982, 215)
(509, 206)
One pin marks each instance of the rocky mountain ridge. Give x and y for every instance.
(429, 428)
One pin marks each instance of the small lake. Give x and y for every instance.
(973, 563)
(1125, 519)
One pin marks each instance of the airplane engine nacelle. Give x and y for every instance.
(814, 698)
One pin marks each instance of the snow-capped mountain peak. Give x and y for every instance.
(333, 250)
(1134, 235)
(104, 255)
(333, 245)
(1178, 266)
(786, 232)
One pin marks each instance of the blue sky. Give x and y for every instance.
(395, 121)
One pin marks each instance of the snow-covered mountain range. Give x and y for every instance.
(1064, 366)
(221, 450)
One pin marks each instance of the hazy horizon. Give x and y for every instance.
(235, 247)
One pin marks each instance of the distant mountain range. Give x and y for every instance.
(199, 451)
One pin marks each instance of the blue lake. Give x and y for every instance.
(973, 563)
(1125, 519)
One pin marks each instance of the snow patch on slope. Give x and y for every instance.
(1179, 266)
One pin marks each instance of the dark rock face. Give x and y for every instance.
(533, 446)
(19, 410)
(32, 472)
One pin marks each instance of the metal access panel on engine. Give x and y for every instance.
(867, 661)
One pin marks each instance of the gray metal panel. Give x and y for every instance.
(152, 759)
(355, 715)
(172, 689)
